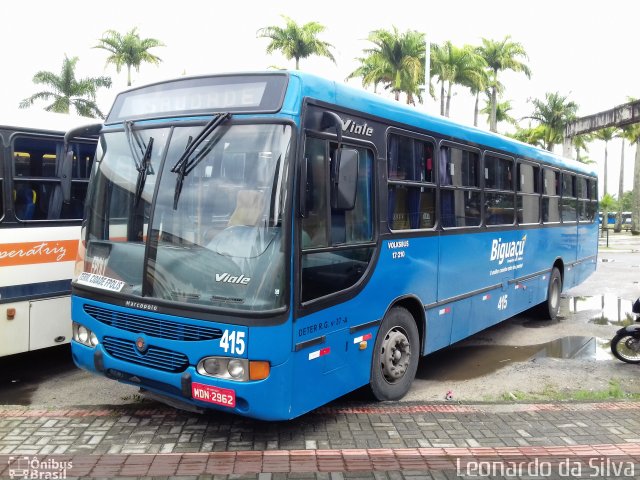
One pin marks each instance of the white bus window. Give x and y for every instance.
(1, 196)
(37, 192)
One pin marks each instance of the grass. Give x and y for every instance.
(615, 391)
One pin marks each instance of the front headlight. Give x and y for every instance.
(83, 335)
(236, 369)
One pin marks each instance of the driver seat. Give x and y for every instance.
(249, 208)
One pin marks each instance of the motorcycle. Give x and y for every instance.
(625, 345)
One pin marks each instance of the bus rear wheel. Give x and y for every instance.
(395, 356)
(549, 309)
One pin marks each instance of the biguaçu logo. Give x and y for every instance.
(509, 251)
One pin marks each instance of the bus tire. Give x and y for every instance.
(395, 356)
(549, 309)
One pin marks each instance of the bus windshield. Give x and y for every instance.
(216, 240)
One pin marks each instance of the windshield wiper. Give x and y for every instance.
(143, 165)
(132, 135)
(185, 163)
(143, 168)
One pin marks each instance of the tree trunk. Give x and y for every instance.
(442, 97)
(618, 226)
(128, 75)
(475, 111)
(635, 206)
(446, 114)
(493, 124)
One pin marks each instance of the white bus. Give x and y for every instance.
(41, 206)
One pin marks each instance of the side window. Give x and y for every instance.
(459, 193)
(550, 196)
(587, 194)
(37, 193)
(498, 197)
(528, 181)
(569, 201)
(336, 244)
(1, 182)
(411, 185)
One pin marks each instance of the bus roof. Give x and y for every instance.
(305, 85)
(361, 100)
(40, 120)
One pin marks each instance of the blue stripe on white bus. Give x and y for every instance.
(31, 291)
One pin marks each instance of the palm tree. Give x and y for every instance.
(66, 91)
(553, 114)
(297, 41)
(129, 49)
(439, 69)
(501, 55)
(477, 83)
(531, 135)
(397, 61)
(502, 113)
(606, 135)
(632, 135)
(456, 66)
(624, 136)
(372, 71)
(580, 143)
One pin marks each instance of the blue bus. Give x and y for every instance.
(264, 243)
(625, 219)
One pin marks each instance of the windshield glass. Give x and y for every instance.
(219, 243)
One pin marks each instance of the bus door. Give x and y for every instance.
(337, 242)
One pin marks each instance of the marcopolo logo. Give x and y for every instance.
(509, 251)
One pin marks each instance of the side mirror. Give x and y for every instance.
(344, 179)
(332, 120)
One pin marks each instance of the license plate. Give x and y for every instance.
(209, 394)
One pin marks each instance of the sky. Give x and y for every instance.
(587, 50)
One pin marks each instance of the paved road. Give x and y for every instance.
(408, 440)
(346, 439)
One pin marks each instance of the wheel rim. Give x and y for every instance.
(554, 301)
(629, 348)
(395, 355)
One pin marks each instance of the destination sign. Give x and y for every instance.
(239, 93)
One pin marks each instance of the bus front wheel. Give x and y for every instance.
(395, 357)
